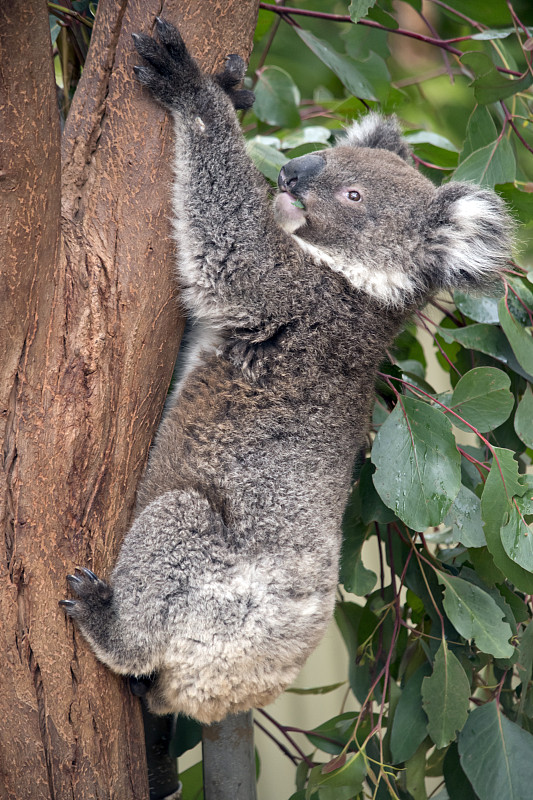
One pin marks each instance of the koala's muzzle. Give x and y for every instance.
(296, 175)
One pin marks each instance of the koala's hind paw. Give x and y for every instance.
(171, 70)
(92, 594)
(230, 78)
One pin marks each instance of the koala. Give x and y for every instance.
(226, 580)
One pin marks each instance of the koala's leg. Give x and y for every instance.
(231, 252)
(168, 550)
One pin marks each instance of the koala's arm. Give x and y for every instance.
(230, 250)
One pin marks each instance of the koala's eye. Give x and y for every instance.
(354, 195)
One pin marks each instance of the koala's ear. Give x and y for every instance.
(373, 130)
(469, 238)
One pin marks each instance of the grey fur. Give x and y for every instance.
(226, 580)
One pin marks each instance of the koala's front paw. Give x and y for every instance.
(93, 595)
(172, 72)
(230, 78)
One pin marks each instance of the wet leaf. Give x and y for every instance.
(422, 480)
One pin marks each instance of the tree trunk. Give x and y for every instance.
(89, 330)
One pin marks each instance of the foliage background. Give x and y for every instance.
(439, 642)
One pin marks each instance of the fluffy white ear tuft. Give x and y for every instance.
(470, 237)
(374, 130)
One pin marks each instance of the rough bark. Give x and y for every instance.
(89, 329)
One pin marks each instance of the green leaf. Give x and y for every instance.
(316, 689)
(517, 534)
(312, 134)
(422, 480)
(495, 506)
(373, 509)
(445, 697)
(332, 736)
(489, 85)
(340, 784)
(520, 341)
(493, 33)
(343, 67)
(525, 665)
(482, 398)
(465, 519)
(355, 577)
(521, 203)
(479, 308)
(496, 755)
(428, 137)
(409, 726)
(523, 419)
(487, 339)
(359, 9)
(475, 615)
(434, 148)
(480, 131)
(267, 159)
(457, 784)
(492, 164)
(277, 98)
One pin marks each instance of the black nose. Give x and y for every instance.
(296, 175)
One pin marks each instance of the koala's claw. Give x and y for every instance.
(90, 591)
(231, 77)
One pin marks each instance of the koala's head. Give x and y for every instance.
(364, 210)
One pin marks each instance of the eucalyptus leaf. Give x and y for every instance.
(277, 98)
(465, 518)
(312, 134)
(359, 9)
(487, 339)
(523, 419)
(492, 164)
(520, 341)
(496, 755)
(267, 159)
(482, 398)
(445, 697)
(517, 533)
(492, 33)
(502, 484)
(343, 66)
(355, 577)
(480, 132)
(475, 615)
(343, 783)
(409, 726)
(479, 308)
(457, 784)
(428, 137)
(421, 482)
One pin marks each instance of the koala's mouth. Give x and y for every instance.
(290, 211)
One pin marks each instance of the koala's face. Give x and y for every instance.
(361, 208)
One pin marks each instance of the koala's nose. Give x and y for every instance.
(297, 173)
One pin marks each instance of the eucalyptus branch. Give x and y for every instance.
(444, 44)
(62, 11)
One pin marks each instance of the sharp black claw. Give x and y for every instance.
(74, 579)
(135, 36)
(88, 573)
(66, 604)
